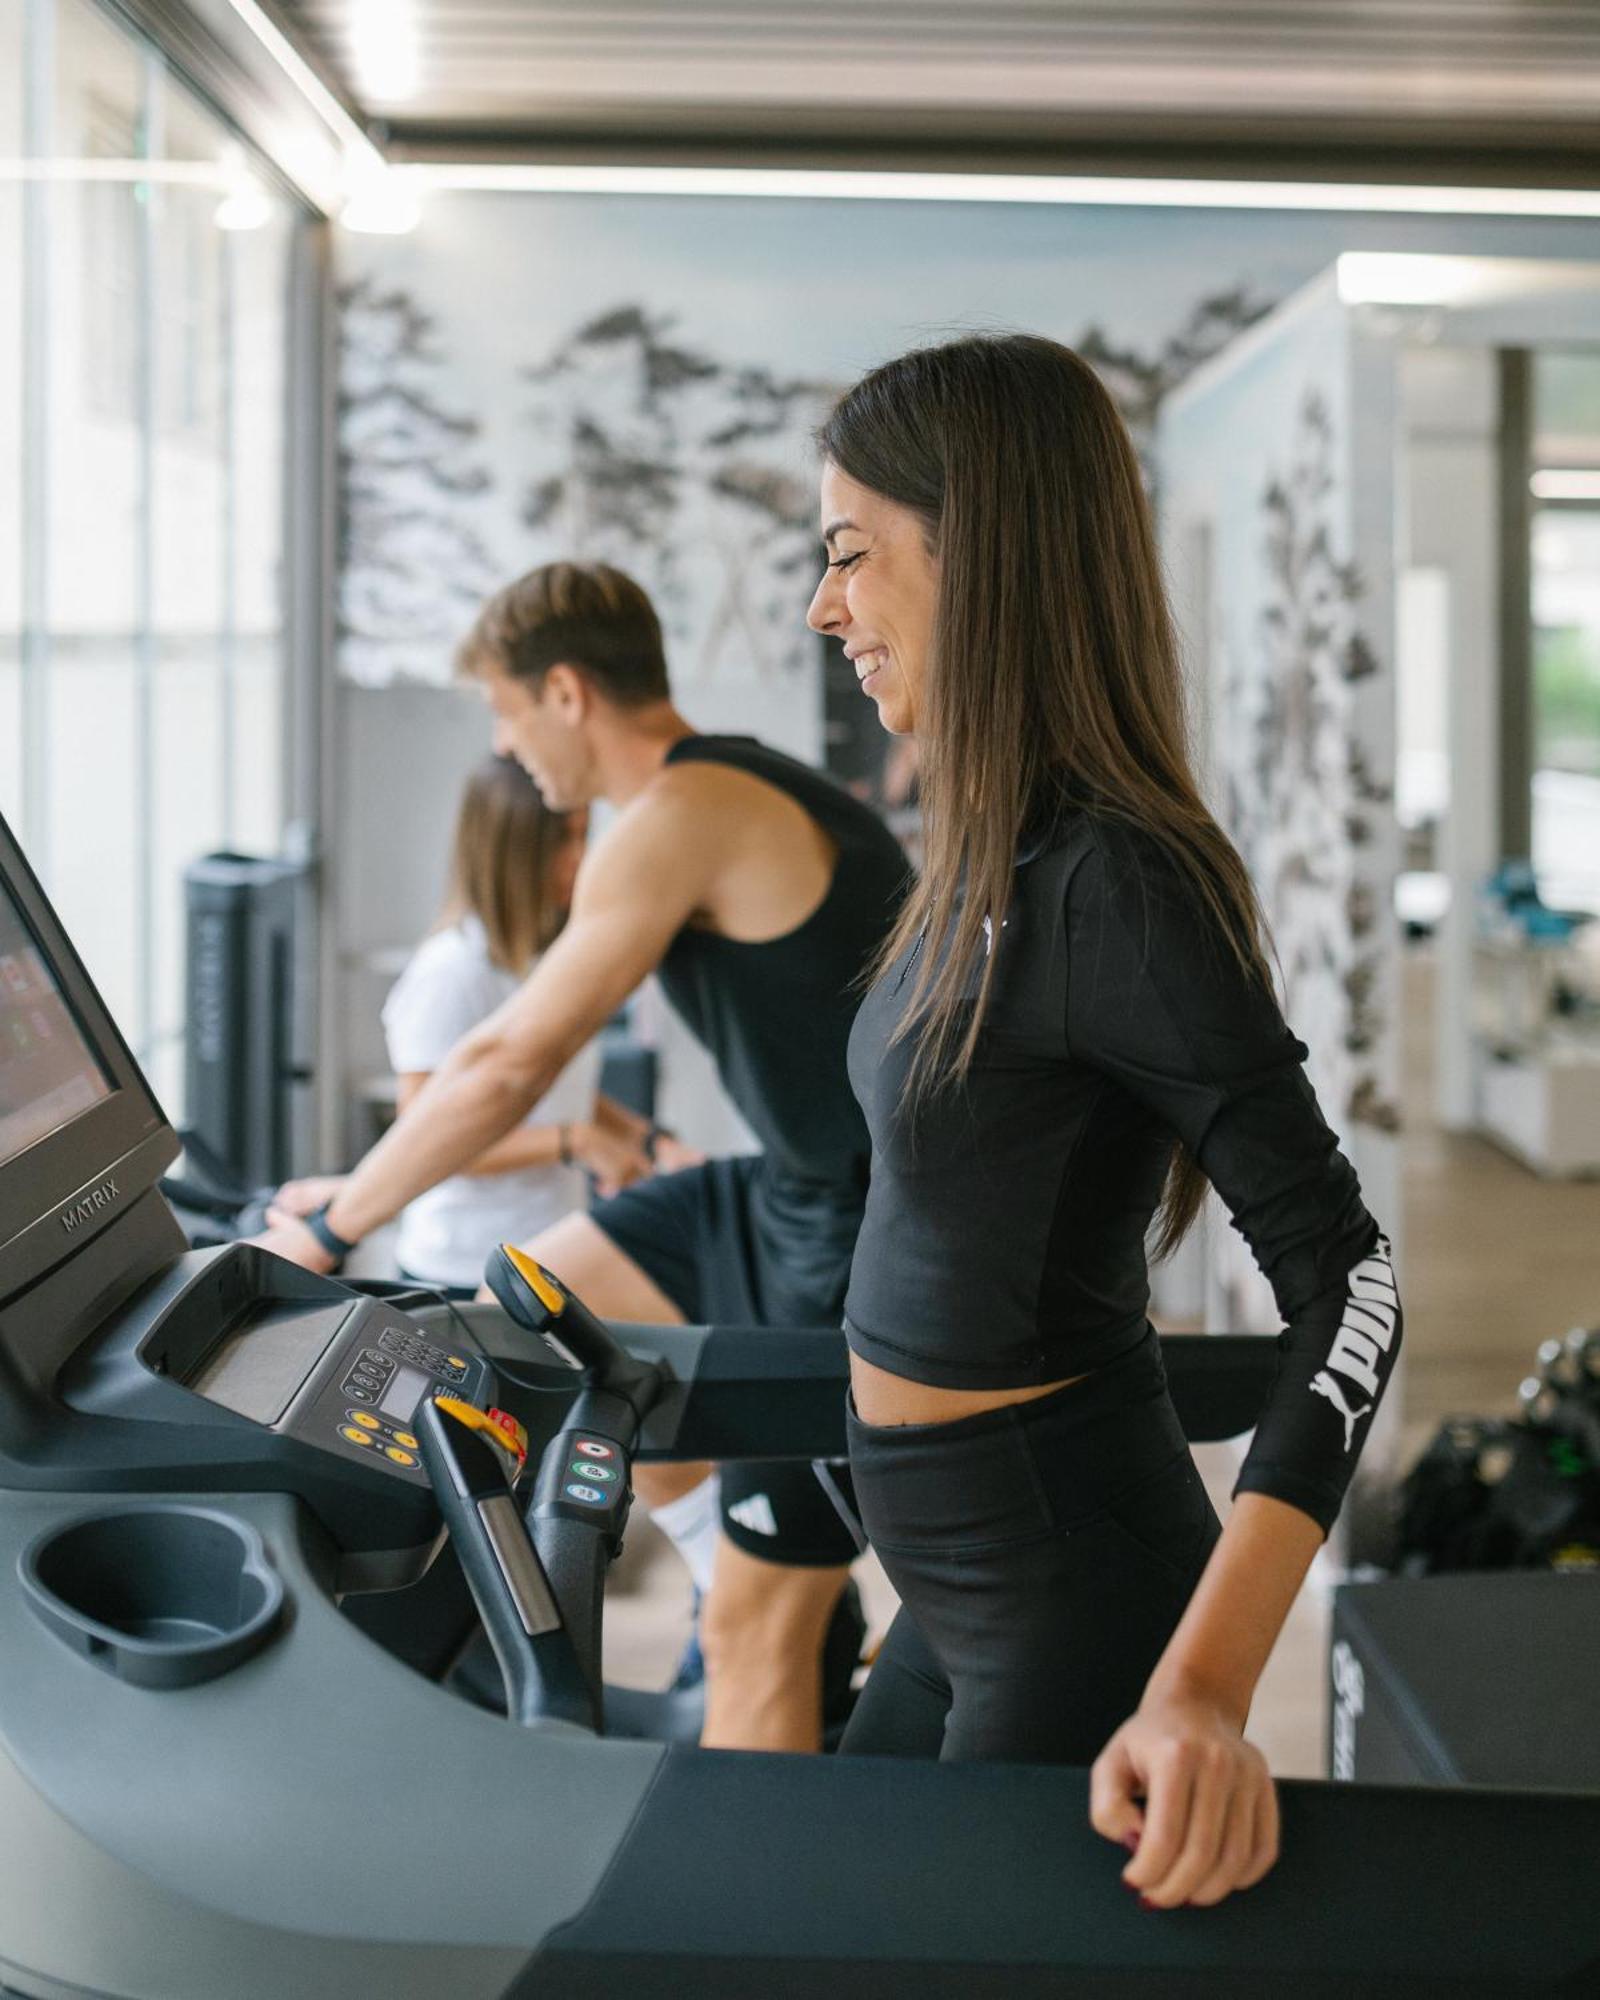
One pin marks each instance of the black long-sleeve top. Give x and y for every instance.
(1006, 1220)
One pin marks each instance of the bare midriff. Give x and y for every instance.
(886, 1400)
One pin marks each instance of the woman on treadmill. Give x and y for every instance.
(1072, 1030)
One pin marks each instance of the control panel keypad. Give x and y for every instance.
(370, 1433)
(388, 1352)
(370, 1374)
(407, 1346)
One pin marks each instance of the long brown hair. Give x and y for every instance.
(506, 842)
(1053, 661)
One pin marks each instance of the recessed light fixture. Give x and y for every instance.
(244, 206)
(1566, 483)
(384, 203)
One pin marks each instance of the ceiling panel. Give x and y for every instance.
(1506, 76)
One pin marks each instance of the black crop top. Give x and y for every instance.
(1004, 1237)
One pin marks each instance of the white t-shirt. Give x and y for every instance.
(450, 985)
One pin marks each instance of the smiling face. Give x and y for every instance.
(543, 730)
(878, 595)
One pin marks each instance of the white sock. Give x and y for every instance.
(693, 1524)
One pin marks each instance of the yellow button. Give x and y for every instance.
(455, 1361)
(405, 1438)
(349, 1431)
(365, 1419)
(400, 1457)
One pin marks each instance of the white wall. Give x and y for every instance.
(494, 343)
(1277, 483)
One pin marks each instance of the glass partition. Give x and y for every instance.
(143, 431)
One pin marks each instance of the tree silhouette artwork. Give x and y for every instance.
(412, 565)
(1303, 806)
(1139, 381)
(692, 472)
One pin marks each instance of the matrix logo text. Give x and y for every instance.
(104, 1195)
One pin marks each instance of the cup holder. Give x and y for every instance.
(162, 1597)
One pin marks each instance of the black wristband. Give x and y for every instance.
(335, 1245)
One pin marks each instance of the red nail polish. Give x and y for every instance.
(1146, 1904)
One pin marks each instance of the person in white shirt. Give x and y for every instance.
(512, 872)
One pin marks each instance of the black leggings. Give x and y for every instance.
(1043, 1553)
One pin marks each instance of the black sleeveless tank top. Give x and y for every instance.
(776, 1015)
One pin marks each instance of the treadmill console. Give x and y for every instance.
(347, 1376)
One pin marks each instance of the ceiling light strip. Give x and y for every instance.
(1092, 190)
(305, 79)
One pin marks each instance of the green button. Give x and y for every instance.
(586, 1471)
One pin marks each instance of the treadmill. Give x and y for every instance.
(242, 1510)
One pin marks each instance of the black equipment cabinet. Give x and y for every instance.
(1477, 1678)
(242, 1062)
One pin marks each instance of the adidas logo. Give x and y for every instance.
(755, 1514)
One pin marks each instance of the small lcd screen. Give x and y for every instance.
(405, 1392)
(48, 1072)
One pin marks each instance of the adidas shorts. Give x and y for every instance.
(732, 1244)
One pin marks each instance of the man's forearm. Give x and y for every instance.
(472, 1099)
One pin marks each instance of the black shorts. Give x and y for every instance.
(733, 1244)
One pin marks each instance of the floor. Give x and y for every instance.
(1495, 1260)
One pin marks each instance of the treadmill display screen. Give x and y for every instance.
(48, 1072)
(405, 1392)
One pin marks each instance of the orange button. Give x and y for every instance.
(353, 1436)
(400, 1457)
(405, 1438)
(455, 1361)
(365, 1419)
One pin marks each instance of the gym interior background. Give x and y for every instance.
(320, 320)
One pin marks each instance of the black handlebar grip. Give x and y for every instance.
(537, 1302)
(538, 1662)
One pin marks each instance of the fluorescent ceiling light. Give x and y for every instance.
(1097, 190)
(384, 57)
(1567, 483)
(1403, 278)
(305, 79)
(1399, 279)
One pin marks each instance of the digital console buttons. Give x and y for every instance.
(352, 1436)
(596, 1472)
(400, 1457)
(590, 1448)
(590, 1495)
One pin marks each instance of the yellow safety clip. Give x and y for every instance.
(499, 1426)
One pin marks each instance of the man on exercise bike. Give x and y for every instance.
(758, 891)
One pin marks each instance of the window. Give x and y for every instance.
(1566, 621)
(143, 430)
